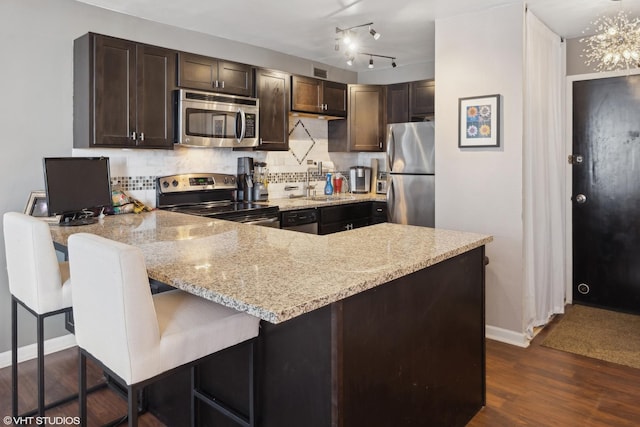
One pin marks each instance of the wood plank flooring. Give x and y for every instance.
(536, 386)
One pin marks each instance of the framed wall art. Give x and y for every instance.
(479, 121)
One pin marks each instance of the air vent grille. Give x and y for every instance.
(319, 72)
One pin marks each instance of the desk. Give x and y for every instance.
(382, 325)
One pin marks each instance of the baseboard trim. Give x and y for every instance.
(506, 336)
(30, 351)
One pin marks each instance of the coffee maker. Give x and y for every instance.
(360, 179)
(245, 179)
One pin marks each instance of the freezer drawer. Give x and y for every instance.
(411, 199)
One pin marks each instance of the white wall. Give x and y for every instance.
(400, 74)
(36, 42)
(480, 190)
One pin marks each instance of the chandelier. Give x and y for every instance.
(615, 45)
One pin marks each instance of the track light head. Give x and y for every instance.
(350, 60)
(393, 63)
(374, 33)
(371, 62)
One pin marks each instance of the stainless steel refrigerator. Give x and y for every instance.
(411, 173)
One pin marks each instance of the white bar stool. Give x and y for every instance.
(138, 337)
(39, 283)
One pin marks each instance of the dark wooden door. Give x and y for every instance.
(398, 103)
(606, 193)
(155, 82)
(421, 99)
(235, 78)
(334, 98)
(115, 92)
(306, 94)
(273, 92)
(366, 117)
(197, 71)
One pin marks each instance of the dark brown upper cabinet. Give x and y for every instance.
(310, 95)
(398, 103)
(409, 102)
(122, 94)
(273, 90)
(421, 100)
(364, 129)
(211, 74)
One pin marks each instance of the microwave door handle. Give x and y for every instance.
(243, 123)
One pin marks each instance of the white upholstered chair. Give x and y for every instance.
(137, 336)
(39, 283)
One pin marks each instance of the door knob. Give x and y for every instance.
(581, 198)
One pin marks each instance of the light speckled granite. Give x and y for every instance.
(270, 273)
(319, 201)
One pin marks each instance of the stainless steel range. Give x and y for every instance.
(211, 195)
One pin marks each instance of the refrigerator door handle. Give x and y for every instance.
(390, 200)
(391, 147)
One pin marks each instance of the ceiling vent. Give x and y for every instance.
(319, 72)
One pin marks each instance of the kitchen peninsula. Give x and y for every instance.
(378, 326)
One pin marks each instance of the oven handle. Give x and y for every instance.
(263, 221)
(243, 122)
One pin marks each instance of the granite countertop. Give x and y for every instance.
(289, 204)
(270, 273)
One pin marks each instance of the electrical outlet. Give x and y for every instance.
(309, 162)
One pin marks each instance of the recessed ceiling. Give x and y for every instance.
(307, 28)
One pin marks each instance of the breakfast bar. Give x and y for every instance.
(377, 326)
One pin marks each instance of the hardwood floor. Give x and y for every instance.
(536, 386)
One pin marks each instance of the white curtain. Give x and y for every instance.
(544, 183)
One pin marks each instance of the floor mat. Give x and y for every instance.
(597, 333)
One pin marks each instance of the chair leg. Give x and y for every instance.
(40, 345)
(14, 357)
(132, 410)
(82, 387)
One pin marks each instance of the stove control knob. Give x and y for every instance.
(233, 179)
(165, 184)
(174, 183)
(226, 179)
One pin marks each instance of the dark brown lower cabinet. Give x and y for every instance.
(333, 219)
(410, 352)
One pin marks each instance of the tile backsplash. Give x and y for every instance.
(135, 171)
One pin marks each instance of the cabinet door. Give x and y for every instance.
(306, 94)
(334, 98)
(114, 77)
(235, 78)
(366, 118)
(156, 77)
(197, 72)
(273, 92)
(398, 103)
(422, 97)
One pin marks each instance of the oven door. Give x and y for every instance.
(211, 122)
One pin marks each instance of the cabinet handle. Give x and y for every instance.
(134, 135)
(326, 107)
(381, 145)
(222, 84)
(141, 136)
(215, 84)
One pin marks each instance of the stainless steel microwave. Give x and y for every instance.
(216, 120)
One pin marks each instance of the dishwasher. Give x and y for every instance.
(301, 220)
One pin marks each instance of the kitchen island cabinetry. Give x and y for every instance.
(273, 90)
(122, 94)
(333, 219)
(381, 326)
(214, 75)
(310, 95)
(364, 129)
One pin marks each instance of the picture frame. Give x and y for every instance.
(479, 121)
(37, 207)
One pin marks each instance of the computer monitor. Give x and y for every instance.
(77, 187)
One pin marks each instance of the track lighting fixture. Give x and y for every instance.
(374, 33)
(351, 58)
(347, 36)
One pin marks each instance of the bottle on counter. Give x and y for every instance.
(328, 187)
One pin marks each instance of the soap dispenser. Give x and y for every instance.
(328, 187)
